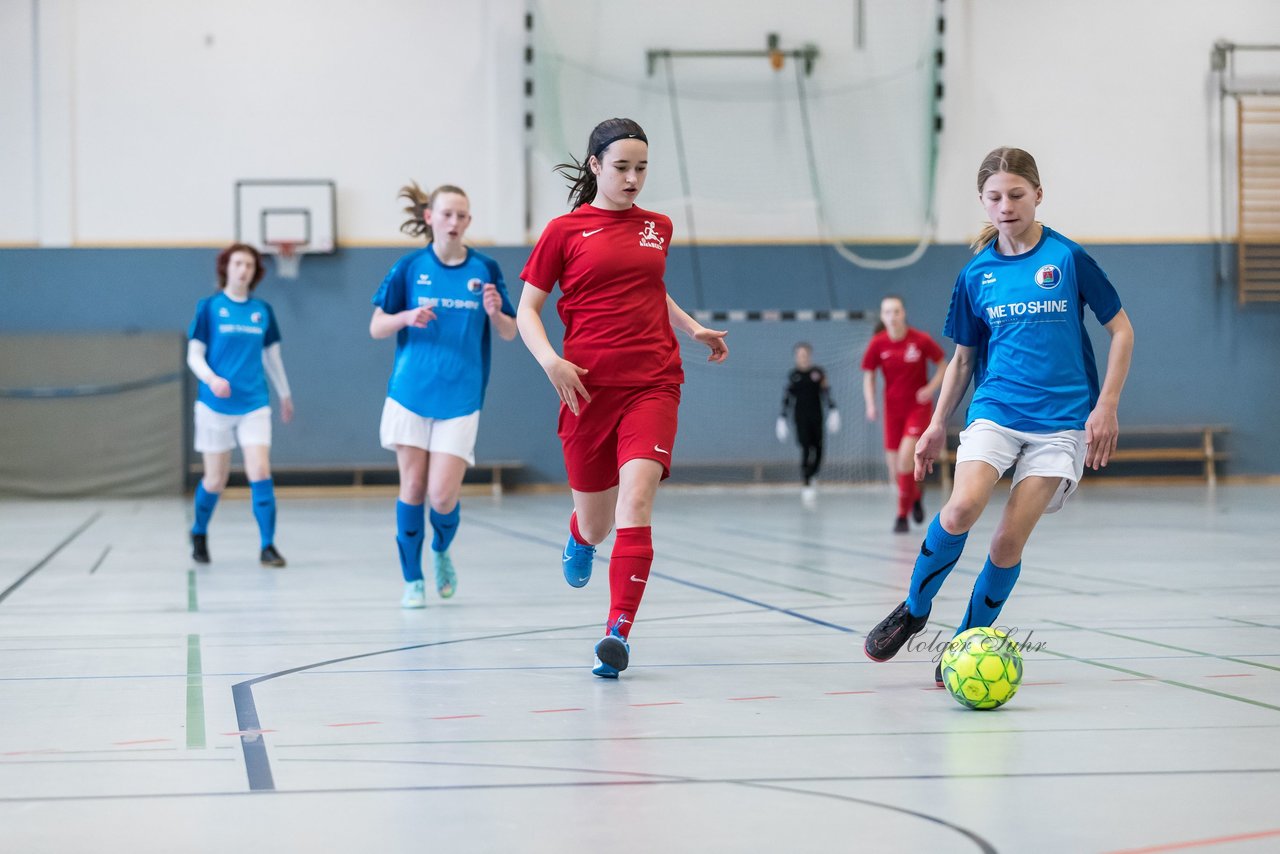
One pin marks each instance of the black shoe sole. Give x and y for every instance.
(613, 652)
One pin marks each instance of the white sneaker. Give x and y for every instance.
(809, 495)
(414, 595)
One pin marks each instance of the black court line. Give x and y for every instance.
(100, 559)
(50, 556)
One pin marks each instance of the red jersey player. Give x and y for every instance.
(902, 353)
(619, 379)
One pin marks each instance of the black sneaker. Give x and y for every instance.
(937, 676)
(900, 525)
(200, 548)
(917, 512)
(884, 641)
(271, 557)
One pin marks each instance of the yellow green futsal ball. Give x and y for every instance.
(982, 668)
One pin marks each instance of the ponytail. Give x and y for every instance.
(420, 202)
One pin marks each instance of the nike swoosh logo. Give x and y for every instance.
(661, 450)
(589, 233)
(641, 580)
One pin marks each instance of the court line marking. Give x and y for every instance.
(99, 561)
(1198, 652)
(50, 556)
(1199, 843)
(195, 696)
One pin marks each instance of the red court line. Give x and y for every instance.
(454, 717)
(358, 723)
(553, 711)
(840, 693)
(1199, 843)
(32, 752)
(1227, 675)
(765, 697)
(141, 741)
(667, 703)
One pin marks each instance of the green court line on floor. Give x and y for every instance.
(1200, 652)
(193, 604)
(195, 695)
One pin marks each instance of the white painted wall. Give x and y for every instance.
(148, 110)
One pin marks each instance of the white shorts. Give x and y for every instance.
(1058, 454)
(455, 436)
(217, 432)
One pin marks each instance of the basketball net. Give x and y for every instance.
(288, 259)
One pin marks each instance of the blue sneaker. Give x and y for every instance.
(446, 578)
(612, 653)
(577, 560)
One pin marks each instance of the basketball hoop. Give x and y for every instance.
(288, 259)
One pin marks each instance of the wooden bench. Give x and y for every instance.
(1187, 443)
(366, 474)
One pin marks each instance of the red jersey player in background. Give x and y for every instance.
(619, 379)
(902, 353)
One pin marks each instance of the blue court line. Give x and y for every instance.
(59, 547)
(705, 588)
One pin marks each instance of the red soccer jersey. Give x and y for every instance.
(613, 301)
(905, 364)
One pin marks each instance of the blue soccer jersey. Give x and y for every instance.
(235, 334)
(1024, 316)
(441, 371)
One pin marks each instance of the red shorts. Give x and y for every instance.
(620, 424)
(905, 422)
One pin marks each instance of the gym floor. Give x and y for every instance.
(152, 705)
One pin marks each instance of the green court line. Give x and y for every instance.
(192, 604)
(1198, 652)
(195, 695)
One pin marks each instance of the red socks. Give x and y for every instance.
(908, 492)
(628, 574)
(573, 529)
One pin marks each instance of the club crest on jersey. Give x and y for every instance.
(475, 285)
(256, 317)
(1048, 277)
(650, 237)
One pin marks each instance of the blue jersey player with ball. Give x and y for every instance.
(1017, 318)
(440, 302)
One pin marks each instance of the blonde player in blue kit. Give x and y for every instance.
(440, 303)
(1017, 317)
(233, 348)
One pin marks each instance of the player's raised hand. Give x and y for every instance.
(567, 379)
(492, 300)
(929, 448)
(418, 317)
(220, 387)
(714, 339)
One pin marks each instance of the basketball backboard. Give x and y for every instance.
(300, 212)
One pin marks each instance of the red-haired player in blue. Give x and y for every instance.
(619, 379)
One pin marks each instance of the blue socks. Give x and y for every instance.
(410, 520)
(204, 505)
(989, 593)
(938, 555)
(445, 525)
(263, 494)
